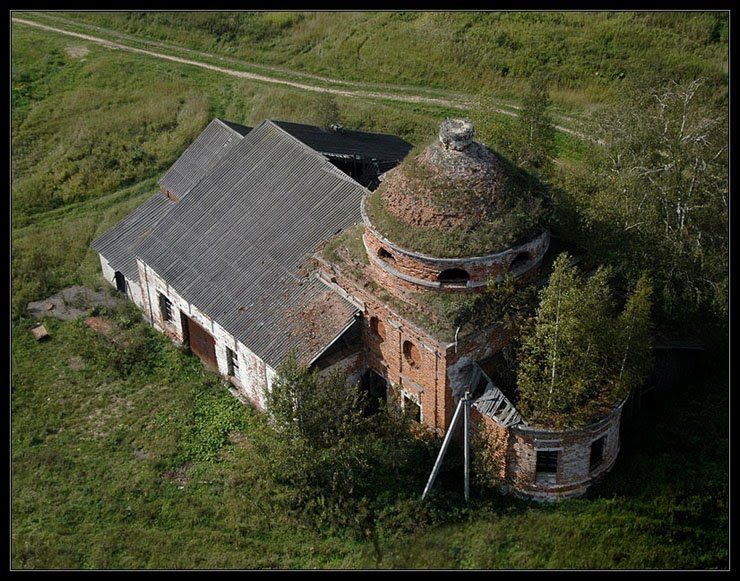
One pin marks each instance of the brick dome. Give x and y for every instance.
(454, 216)
(472, 201)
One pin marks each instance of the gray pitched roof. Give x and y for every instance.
(201, 156)
(118, 245)
(379, 146)
(234, 245)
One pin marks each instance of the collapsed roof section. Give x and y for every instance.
(344, 142)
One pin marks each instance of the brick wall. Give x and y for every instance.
(573, 475)
(418, 370)
(404, 270)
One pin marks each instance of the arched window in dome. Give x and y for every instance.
(519, 261)
(411, 354)
(454, 276)
(385, 255)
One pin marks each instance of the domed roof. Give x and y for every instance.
(456, 191)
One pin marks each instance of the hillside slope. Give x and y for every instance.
(588, 54)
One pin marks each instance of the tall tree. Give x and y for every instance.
(664, 191)
(535, 132)
(577, 356)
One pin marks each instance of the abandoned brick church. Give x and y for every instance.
(289, 239)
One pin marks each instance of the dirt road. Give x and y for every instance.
(464, 104)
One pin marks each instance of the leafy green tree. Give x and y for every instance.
(318, 410)
(534, 137)
(529, 141)
(339, 466)
(327, 111)
(658, 196)
(577, 357)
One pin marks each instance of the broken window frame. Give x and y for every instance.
(407, 398)
(165, 307)
(232, 363)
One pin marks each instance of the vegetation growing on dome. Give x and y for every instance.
(579, 357)
(453, 204)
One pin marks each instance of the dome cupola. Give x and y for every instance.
(455, 215)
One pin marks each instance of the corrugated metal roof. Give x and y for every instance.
(241, 129)
(118, 245)
(233, 246)
(201, 156)
(379, 146)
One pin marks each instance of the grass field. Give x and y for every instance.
(141, 458)
(588, 54)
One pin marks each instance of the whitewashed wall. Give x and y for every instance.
(133, 288)
(253, 376)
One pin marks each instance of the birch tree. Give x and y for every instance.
(665, 191)
(578, 356)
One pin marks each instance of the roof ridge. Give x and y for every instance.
(328, 166)
(302, 144)
(228, 124)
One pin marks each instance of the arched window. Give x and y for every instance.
(411, 353)
(454, 276)
(519, 261)
(377, 328)
(120, 281)
(384, 254)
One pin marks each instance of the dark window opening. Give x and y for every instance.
(521, 259)
(120, 282)
(375, 388)
(165, 307)
(411, 353)
(385, 255)
(454, 276)
(597, 453)
(232, 363)
(547, 461)
(412, 408)
(377, 328)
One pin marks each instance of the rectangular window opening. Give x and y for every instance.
(597, 453)
(232, 362)
(412, 407)
(165, 307)
(547, 462)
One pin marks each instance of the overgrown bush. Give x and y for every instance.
(342, 468)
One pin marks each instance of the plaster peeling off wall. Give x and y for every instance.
(133, 288)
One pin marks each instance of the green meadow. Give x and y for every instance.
(131, 455)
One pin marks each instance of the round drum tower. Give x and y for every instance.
(454, 217)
